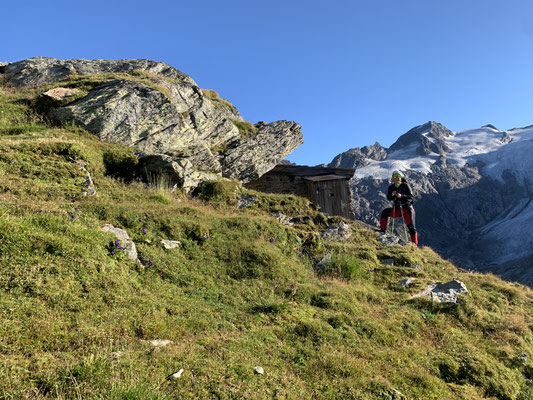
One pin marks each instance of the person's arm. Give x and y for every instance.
(389, 193)
(406, 192)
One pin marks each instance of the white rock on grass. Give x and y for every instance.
(259, 370)
(175, 375)
(60, 93)
(443, 292)
(170, 244)
(160, 342)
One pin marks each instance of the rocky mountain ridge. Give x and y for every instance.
(192, 133)
(473, 193)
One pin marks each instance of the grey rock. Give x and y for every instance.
(283, 219)
(388, 239)
(337, 233)
(39, 70)
(160, 342)
(61, 93)
(175, 375)
(246, 201)
(170, 244)
(259, 370)
(444, 292)
(406, 282)
(129, 247)
(248, 159)
(323, 263)
(165, 114)
(388, 261)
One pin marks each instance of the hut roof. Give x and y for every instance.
(304, 171)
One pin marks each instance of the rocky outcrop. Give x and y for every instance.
(40, 70)
(161, 111)
(359, 157)
(248, 159)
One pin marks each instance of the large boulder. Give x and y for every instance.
(161, 111)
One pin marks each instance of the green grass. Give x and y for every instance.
(218, 101)
(241, 291)
(246, 129)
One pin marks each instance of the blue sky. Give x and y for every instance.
(350, 72)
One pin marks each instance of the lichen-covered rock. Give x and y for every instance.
(444, 292)
(160, 110)
(337, 233)
(250, 158)
(39, 70)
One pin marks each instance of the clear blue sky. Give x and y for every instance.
(350, 72)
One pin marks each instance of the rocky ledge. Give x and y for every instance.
(161, 112)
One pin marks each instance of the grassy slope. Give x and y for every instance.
(240, 292)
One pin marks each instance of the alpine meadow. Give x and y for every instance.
(219, 292)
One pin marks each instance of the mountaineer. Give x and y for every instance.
(401, 194)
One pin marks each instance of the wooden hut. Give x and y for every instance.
(326, 187)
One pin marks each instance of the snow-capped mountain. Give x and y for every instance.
(473, 188)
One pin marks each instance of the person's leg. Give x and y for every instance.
(385, 214)
(409, 218)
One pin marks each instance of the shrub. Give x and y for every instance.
(343, 267)
(120, 163)
(221, 192)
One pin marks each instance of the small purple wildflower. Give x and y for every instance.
(148, 263)
(140, 220)
(39, 211)
(76, 208)
(113, 253)
(206, 237)
(271, 240)
(207, 245)
(73, 216)
(370, 270)
(144, 231)
(457, 301)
